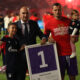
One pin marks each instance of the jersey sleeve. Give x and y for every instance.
(74, 31)
(46, 30)
(78, 25)
(4, 39)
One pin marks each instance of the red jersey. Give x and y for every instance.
(59, 31)
(3, 46)
(34, 18)
(14, 19)
(46, 18)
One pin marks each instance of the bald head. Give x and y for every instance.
(24, 7)
(24, 13)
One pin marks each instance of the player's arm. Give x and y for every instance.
(50, 39)
(48, 34)
(73, 35)
(45, 39)
(74, 31)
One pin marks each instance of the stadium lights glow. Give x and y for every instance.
(69, 0)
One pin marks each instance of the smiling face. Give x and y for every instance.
(24, 14)
(12, 30)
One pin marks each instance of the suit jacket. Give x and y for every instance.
(29, 38)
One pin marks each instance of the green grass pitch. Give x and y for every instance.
(3, 76)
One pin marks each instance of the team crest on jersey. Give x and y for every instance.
(9, 75)
(60, 25)
(9, 42)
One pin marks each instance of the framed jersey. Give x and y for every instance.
(43, 62)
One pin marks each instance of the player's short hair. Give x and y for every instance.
(74, 11)
(56, 4)
(11, 23)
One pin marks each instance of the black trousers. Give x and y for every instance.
(22, 67)
(20, 72)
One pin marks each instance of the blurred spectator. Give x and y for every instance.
(7, 20)
(1, 22)
(34, 17)
(2, 50)
(16, 18)
(12, 15)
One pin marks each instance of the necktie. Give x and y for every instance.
(25, 29)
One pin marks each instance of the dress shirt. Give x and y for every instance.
(23, 26)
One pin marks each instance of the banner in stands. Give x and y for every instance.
(43, 62)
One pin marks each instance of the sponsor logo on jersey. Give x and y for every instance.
(10, 49)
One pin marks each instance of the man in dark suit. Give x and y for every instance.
(27, 31)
